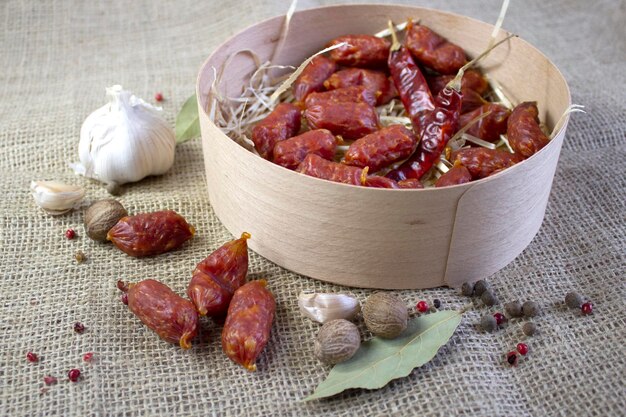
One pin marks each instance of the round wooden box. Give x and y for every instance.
(369, 237)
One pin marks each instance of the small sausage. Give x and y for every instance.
(376, 181)
(353, 94)
(316, 166)
(458, 174)
(410, 183)
(349, 120)
(216, 278)
(375, 81)
(150, 234)
(360, 51)
(434, 51)
(382, 148)
(289, 153)
(312, 78)
(490, 127)
(282, 123)
(481, 162)
(248, 323)
(523, 132)
(166, 313)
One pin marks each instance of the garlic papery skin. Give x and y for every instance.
(125, 140)
(324, 307)
(56, 197)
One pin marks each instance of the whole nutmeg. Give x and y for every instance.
(337, 341)
(385, 315)
(489, 298)
(530, 309)
(513, 309)
(101, 216)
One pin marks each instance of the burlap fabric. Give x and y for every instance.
(57, 59)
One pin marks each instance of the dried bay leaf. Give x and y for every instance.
(188, 121)
(379, 361)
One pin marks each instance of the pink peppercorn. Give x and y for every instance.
(522, 348)
(158, 97)
(70, 234)
(79, 327)
(87, 357)
(422, 306)
(49, 380)
(500, 319)
(587, 308)
(31, 357)
(73, 375)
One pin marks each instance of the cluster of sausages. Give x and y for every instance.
(337, 96)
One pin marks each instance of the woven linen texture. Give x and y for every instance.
(58, 56)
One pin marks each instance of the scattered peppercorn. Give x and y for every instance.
(488, 323)
(489, 298)
(73, 375)
(511, 358)
(80, 257)
(422, 306)
(87, 357)
(79, 327)
(530, 309)
(70, 234)
(529, 329)
(49, 380)
(522, 348)
(500, 319)
(32, 357)
(437, 303)
(467, 289)
(480, 287)
(573, 300)
(124, 298)
(587, 308)
(513, 309)
(158, 97)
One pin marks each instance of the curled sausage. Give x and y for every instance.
(312, 78)
(349, 120)
(375, 81)
(216, 278)
(248, 323)
(382, 148)
(490, 127)
(360, 51)
(473, 86)
(353, 94)
(523, 132)
(434, 51)
(481, 162)
(316, 166)
(166, 313)
(282, 123)
(289, 153)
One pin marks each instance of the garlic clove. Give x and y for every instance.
(56, 197)
(324, 307)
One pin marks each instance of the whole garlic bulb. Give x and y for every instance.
(125, 140)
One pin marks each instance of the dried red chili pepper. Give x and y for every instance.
(349, 120)
(149, 234)
(282, 123)
(361, 51)
(216, 278)
(166, 313)
(524, 134)
(481, 162)
(289, 153)
(375, 81)
(439, 126)
(312, 78)
(458, 174)
(472, 79)
(490, 127)
(411, 84)
(432, 50)
(381, 148)
(354, 94)
(248, 323)
(316, 166)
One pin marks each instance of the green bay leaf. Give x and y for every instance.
(379, 361)
(188, 121)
